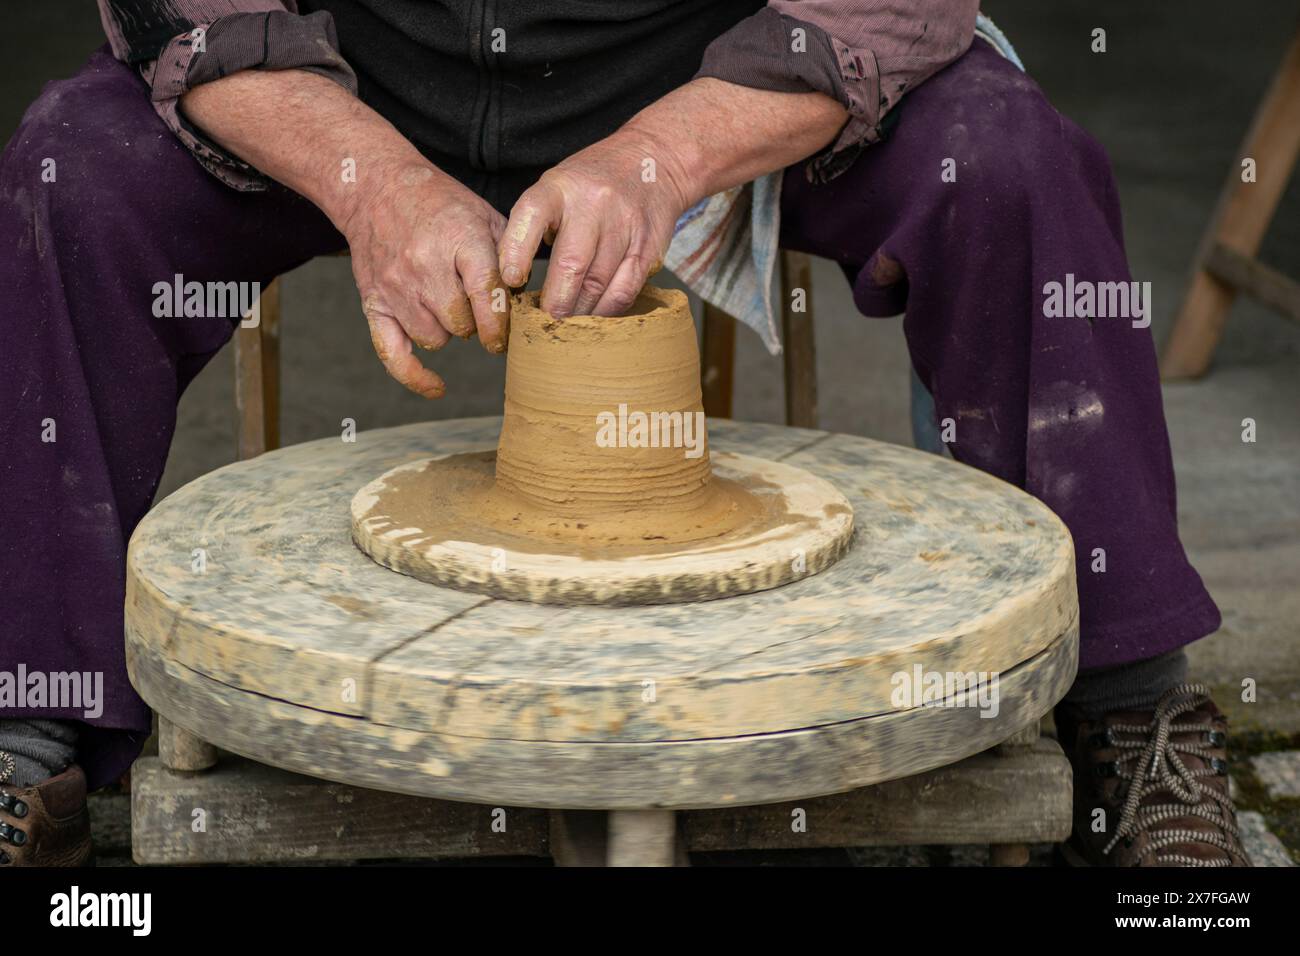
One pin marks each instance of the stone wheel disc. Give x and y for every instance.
(802, 526)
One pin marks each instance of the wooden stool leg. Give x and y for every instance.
(1014, 854)
(642, 838)
(1240, 220)
(257, 403)
(718, 351)
(800, 352)
(257, 378)
(718, 362)
(1021, 740)
(616, 838)
(178, 749)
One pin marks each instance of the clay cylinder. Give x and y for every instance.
(603, 415)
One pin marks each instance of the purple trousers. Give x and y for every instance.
(1068, 409)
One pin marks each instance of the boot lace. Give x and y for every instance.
(1153, 764)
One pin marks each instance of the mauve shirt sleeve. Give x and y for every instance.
(161, 38)
(863, 53)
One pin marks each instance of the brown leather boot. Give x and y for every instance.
(1160, 781)
(47, 824)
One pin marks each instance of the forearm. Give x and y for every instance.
(302, 130)
(716, 134)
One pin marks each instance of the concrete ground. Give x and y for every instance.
(1170, 100)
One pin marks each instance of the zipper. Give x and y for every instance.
(481, 14)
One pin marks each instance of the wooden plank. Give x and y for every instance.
(1240, 219)
(991, 799)
(800, 351)
(718, 362)
(256, 814)
(257, 378)
(251, 813)
(668, 774)
(1266, 285)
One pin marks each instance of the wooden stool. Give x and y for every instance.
(1225, 262)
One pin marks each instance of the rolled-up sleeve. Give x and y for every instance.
(180, 44)
(865, 54)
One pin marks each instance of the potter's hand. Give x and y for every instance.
(424, 248)
(424, 256)
(611, 209)
(613, 206)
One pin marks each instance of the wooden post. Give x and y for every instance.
(718, 362)
(1240, 219)
(1020, 741)
(178, 749)
(257, 378)
(642, 838)
(1014, 854)
(800, 353)
(1267, 286)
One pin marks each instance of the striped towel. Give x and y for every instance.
(724, 247)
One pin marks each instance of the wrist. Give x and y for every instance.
(674, 167)
(380, 182)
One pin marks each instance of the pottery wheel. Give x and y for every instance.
(425, 519)
(294, 648)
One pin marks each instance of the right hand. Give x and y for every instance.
(424, 254)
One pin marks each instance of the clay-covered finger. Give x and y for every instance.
(610, 252)
(575, 248)
(626, 285)
(488, 295)
(451, 308)
(404, 304)
(536, 212)
(394, 350)
(429, 333)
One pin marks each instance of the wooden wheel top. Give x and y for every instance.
(253, 620)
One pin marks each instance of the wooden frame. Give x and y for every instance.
(1008, 798)
(257, 378)
(1224, 263)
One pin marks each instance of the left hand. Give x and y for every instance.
(611, 209)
